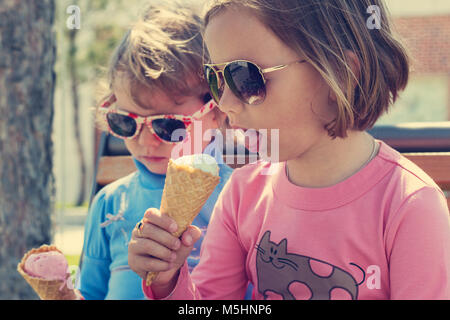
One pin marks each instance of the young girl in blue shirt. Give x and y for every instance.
(155, 87)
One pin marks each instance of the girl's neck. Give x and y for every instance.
(333, 161)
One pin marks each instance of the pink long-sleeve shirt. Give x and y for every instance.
(383, 233)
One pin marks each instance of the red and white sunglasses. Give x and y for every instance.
(167, 128)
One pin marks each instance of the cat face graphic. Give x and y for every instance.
(275, 254)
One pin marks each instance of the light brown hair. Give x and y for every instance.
(161, 50)
(321, 31)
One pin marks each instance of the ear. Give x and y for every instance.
(354, 65)
(212, 118)
(265, 237)
(283, 245)
(210, 123)
(215, 117)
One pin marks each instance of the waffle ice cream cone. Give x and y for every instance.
(185, 192)
(46, 289)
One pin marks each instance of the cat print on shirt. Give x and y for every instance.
(278, 271)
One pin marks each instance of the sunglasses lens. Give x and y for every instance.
(213, 82)
(121, 125)
(245, 81)
(171, 130)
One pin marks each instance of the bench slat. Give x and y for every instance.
(112, 168)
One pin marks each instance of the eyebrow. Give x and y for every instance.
(144, 106)
(197, 90)
(137, 113)
(147, 109)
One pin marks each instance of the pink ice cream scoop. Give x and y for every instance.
(51, 265)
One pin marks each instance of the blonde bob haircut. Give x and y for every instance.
(322, 31)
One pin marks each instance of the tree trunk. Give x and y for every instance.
(27, 56)
(72, 64)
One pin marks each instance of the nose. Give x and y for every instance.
(230, 104)
(147, 139)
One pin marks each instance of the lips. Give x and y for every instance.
(251, 138)
(153, 159)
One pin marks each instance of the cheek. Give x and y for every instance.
(307, 94)
(294, 134)
(299, 108)
(132, 146)
(159, 149)
(195, 139)
(320, 104)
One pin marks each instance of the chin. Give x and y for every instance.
(157, 168)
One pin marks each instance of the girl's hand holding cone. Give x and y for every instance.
(154, 248)
(164, 239)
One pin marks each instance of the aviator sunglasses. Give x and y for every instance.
(244, 78)
(127, 125)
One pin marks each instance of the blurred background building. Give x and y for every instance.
(425, 28)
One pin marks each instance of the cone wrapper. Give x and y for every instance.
(46, 289)
(185, 192)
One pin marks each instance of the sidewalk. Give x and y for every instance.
(69, 230)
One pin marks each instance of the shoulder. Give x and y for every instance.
(414, 206)
(409, 189)
(118, 196)
(250, 178)
(116, 188)
(405, 174)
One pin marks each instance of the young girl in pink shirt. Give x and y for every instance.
(341, 215)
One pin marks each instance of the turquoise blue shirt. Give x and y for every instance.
(114, 212)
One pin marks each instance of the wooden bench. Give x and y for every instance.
(427, 145)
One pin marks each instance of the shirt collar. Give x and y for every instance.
(148, 179)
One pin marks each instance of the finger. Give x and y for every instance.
(155, 217)
(188, 239)
(145, 264)
(143, 246)
(138, 228)
(190, 236)
(134, 259)
(136, 233)
(161, 236)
